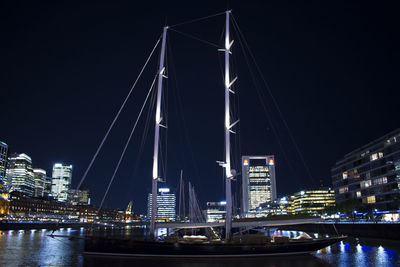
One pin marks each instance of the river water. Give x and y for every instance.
(36, 248)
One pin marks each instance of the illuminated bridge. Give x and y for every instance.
(238, 224)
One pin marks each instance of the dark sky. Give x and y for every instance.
(332, 67)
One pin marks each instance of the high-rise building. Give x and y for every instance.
(3, 162)
(216, 211)
(47, 186)
(258, 182)
(20, 174)
(312, 201)
(370, 174)
(40, 180)
(80, 197)
(166, 205)
(61, 181)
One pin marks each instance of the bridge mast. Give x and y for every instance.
(229, 174)
(157, 135)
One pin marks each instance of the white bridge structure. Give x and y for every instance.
(237, 224)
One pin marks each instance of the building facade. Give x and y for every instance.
(313, 201)
(47, 186)
(279, 206)
(61, 181)
(3, 162)
(166, 205)
(20, 174)
(23, 205)
(80, 197)
(4, 204)
(370, 174)
(258, 182)
(215, 211)
(40, 180)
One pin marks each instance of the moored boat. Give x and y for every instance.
(111, 246)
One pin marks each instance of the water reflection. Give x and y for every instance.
(362, 252)
(359, 256)
(36, 248)
(292, 261)
(381, 256)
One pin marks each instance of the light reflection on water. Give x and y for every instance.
(36, 248)
(362, 252)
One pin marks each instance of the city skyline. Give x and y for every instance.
(342, 94)
(268, 195)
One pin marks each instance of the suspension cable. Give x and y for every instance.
(144, 136)
(274, 130)
(198, 19)
(275, 104)
(126, 145)
(116, 117)
(196, 38)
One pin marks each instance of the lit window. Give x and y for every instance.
(373, 157)
(365, 184)
(371, 199)
(343, 190)
(382, 180)
(345, 175)
(380, 155)
(358, 193)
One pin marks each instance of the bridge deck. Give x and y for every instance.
(256, 223)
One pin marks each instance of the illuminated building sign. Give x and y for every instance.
(163, 190)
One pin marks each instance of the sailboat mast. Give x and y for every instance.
(228, 172)
(157, 135)
(180, 196)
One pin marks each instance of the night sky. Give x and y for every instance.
(331, 66)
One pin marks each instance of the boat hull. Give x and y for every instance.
(135, 248)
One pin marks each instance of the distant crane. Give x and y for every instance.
(128, 212)
(129, 208)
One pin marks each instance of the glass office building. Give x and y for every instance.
(370, 174)
(313, 201)
(3, 162)
(258, 182)
(61, 181)
(20, 174)
(40, 180)
(80, 197)
(47, 187)
(216, 211)
(166, 205)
